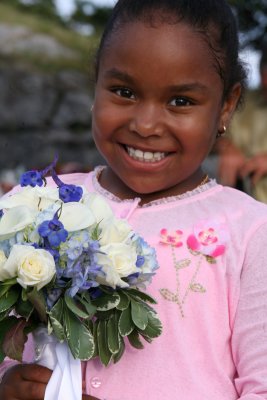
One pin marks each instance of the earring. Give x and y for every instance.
(92, 107)
(221, 133)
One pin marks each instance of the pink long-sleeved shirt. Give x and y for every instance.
(211, 290)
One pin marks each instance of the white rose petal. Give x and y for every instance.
(32, 267)
(114, 230)
(30, 197)
(15, 220)
(98, 205)
(76, 216)
(2, 263)
(118, 261)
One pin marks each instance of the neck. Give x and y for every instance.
(114, 185)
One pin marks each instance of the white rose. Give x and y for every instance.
(76, 216)
(98, 206)
(114, 230)
(30, 197)
(15, 220)
(2, 261)
(32, 267)
(118, 261)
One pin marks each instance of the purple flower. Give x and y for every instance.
(36, 178)
(31, 178)
(67, 193)
(1, 213)
(53, 231)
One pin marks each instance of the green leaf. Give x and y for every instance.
(139, 315)
(86, 301)
(124, 301)
(118, 355)
(56, 318)
(79, 338)
(4, 315)
(126, 324)
(15, 339)
(114, 338)
(137, 294)
(36, 297)
(24, 308)
(95, 327)
(104, 353)
(134, 340)
(73, 306)
(5, 326)
(154, 327)
(107, 301)
(9, 299)
(6, 285)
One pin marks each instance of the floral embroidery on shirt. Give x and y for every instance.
(173, 238)
(206, 242)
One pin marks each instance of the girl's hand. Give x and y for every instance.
(25, 382)
(231, 163)
(256, 167)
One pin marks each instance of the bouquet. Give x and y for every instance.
(69, 265)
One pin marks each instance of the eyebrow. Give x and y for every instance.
(185, 87)
(117, 74)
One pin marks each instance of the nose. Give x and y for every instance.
(147, 120)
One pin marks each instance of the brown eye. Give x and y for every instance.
(124, 92)
(180, 102)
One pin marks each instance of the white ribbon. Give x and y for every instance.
(66, 380)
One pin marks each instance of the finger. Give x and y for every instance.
(36, 373)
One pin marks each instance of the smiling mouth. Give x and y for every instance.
(145, 156)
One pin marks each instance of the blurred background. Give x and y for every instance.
(47, 50)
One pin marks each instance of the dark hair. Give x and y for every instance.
(263, 58)
(212, 18)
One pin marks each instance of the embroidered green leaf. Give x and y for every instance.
(197, 287)
(183, 263)
(168, 295)
(211, 260)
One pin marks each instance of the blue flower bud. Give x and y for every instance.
(31, 178)
(69, 193)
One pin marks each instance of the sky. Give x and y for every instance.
(252, 58)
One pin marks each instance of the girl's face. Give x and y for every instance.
(158, 107)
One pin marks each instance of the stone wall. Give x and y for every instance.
(41, 114)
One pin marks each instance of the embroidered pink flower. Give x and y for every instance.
(172, 239)
(208, 238)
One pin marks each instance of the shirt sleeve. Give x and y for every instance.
(249, 338)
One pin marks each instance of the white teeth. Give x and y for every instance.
(145, 156)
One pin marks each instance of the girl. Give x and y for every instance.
(168, 80)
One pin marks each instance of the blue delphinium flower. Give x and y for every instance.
(54, 231)
(67, 193)
(36, 178)
(31, 178)
(1, 213)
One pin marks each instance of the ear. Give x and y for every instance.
(229, 106)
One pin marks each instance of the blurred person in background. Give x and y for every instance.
(242, 161)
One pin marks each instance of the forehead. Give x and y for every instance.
(163, 49)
